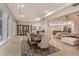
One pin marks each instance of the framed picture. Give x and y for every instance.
(33, 28)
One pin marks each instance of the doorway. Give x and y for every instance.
(22, 29)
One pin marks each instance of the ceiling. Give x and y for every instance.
(33, 11)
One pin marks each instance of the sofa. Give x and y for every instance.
(71, 40)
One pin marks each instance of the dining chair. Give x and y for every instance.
(44, 41)
(30, 39)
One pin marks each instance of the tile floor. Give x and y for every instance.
(13, 47)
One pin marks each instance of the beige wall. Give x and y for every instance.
(42, 23)
(74, 18)
(25, 23)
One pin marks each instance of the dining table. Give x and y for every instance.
(37, 38)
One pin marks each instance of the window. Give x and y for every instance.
(0, 25)
(7, 26)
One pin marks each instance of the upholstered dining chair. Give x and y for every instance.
(44, 42)
(30, 39)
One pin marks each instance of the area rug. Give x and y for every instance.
(34, 50)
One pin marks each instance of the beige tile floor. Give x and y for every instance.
(13, 47)
(66, 50)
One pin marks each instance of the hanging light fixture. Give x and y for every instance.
(20, 5)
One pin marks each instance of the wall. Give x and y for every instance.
(66, 11)
(43, 23)
(75, 18)
(13, 27)
(24, 23)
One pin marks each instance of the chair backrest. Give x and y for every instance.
(29, 37)
(44, 42)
